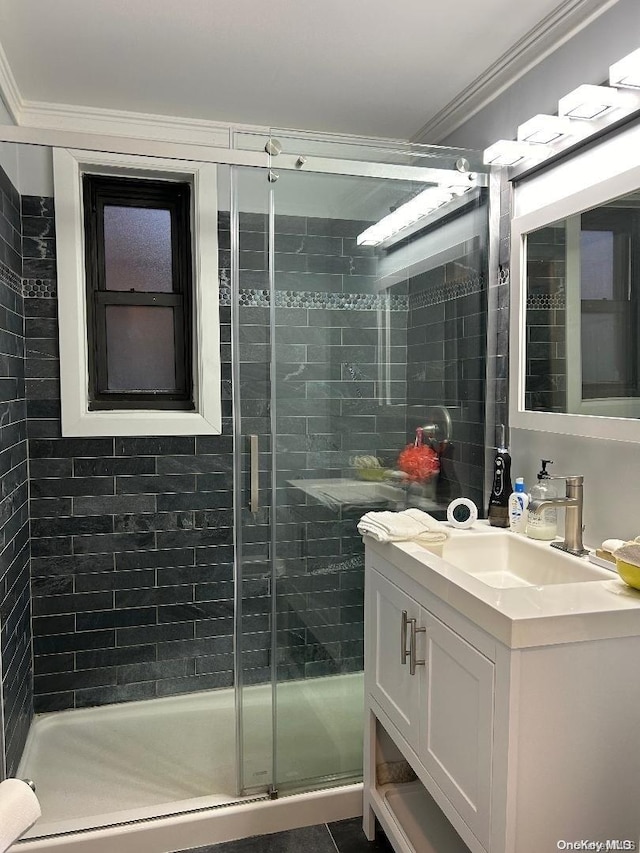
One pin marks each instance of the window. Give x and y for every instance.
(609, 253)
(138, 272)
(138, 295)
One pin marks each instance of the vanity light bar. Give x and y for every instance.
(580, 113)
(589, 102)
(543, 129)
(626, 72)
(507, 152)
(407, 214)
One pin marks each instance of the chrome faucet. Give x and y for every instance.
(572, 504)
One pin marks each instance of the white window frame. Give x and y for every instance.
(69, 166)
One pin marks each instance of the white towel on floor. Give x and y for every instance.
(402, 526)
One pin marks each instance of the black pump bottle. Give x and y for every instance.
(498, 512)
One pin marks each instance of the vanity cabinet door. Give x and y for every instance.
(389, 612)
(456, 737)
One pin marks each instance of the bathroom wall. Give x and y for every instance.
(611, 468)
(132, 538)
(327, 411)
(546, 383)
(132, 556)
(15, 629)
(446, 365)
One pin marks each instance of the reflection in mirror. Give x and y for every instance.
(440, 276)
(583, 282)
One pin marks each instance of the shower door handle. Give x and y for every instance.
(254, 482)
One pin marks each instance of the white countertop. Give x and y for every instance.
(525, 616)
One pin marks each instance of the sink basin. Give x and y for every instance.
(506, 560)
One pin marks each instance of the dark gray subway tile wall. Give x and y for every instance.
(546, 375)
(132, 561)
(327, 411)
(132, 546)
(446, 364)
(15, 633)
(132, 539)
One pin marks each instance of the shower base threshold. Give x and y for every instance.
(117, 764)
(200, 829)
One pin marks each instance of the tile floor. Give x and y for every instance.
(344, 836)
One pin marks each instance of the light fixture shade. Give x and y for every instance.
(626, 71)
(589, 102)
(507, 152)
(544, 130)
(405, 215)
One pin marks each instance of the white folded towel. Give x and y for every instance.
(19, 810)
(610, 545)
(402, 526)
(629, 552)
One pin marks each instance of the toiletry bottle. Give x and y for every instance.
(518, 503)
(543, 525)
(498, 511)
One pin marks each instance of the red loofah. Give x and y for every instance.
(419, 463)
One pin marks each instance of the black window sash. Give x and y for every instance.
(125, 192)
(175, 301)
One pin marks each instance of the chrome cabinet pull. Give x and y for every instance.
(413, 662)
(254, 482)
(404, 654)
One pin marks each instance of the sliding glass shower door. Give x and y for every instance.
(330, 324)
(331, 383)
(250, 303)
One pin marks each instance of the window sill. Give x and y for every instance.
(118, 422)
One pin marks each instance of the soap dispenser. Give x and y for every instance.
(544, 524)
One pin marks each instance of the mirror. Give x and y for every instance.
(582, 276)
(574, 343)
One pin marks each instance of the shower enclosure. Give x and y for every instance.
(335, 349)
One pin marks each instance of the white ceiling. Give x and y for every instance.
(363, 67)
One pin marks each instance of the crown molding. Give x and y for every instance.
(40, 115)
(9, 88)
(134, 125)
(552, 32)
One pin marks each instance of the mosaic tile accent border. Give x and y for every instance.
(446, 292)
(45, 288)
(546, 302)
(253, 298)
(11, 279)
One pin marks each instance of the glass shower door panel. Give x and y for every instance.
(249, 296)
(333, 416)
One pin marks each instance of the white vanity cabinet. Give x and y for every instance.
(516, 749)
(437, 690)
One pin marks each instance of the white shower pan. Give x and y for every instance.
(117, 764)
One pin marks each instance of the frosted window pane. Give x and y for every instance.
(603, 359)
(137, 249)
(596, 264)
(140, 348)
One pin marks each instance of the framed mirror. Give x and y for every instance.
(575, 324)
